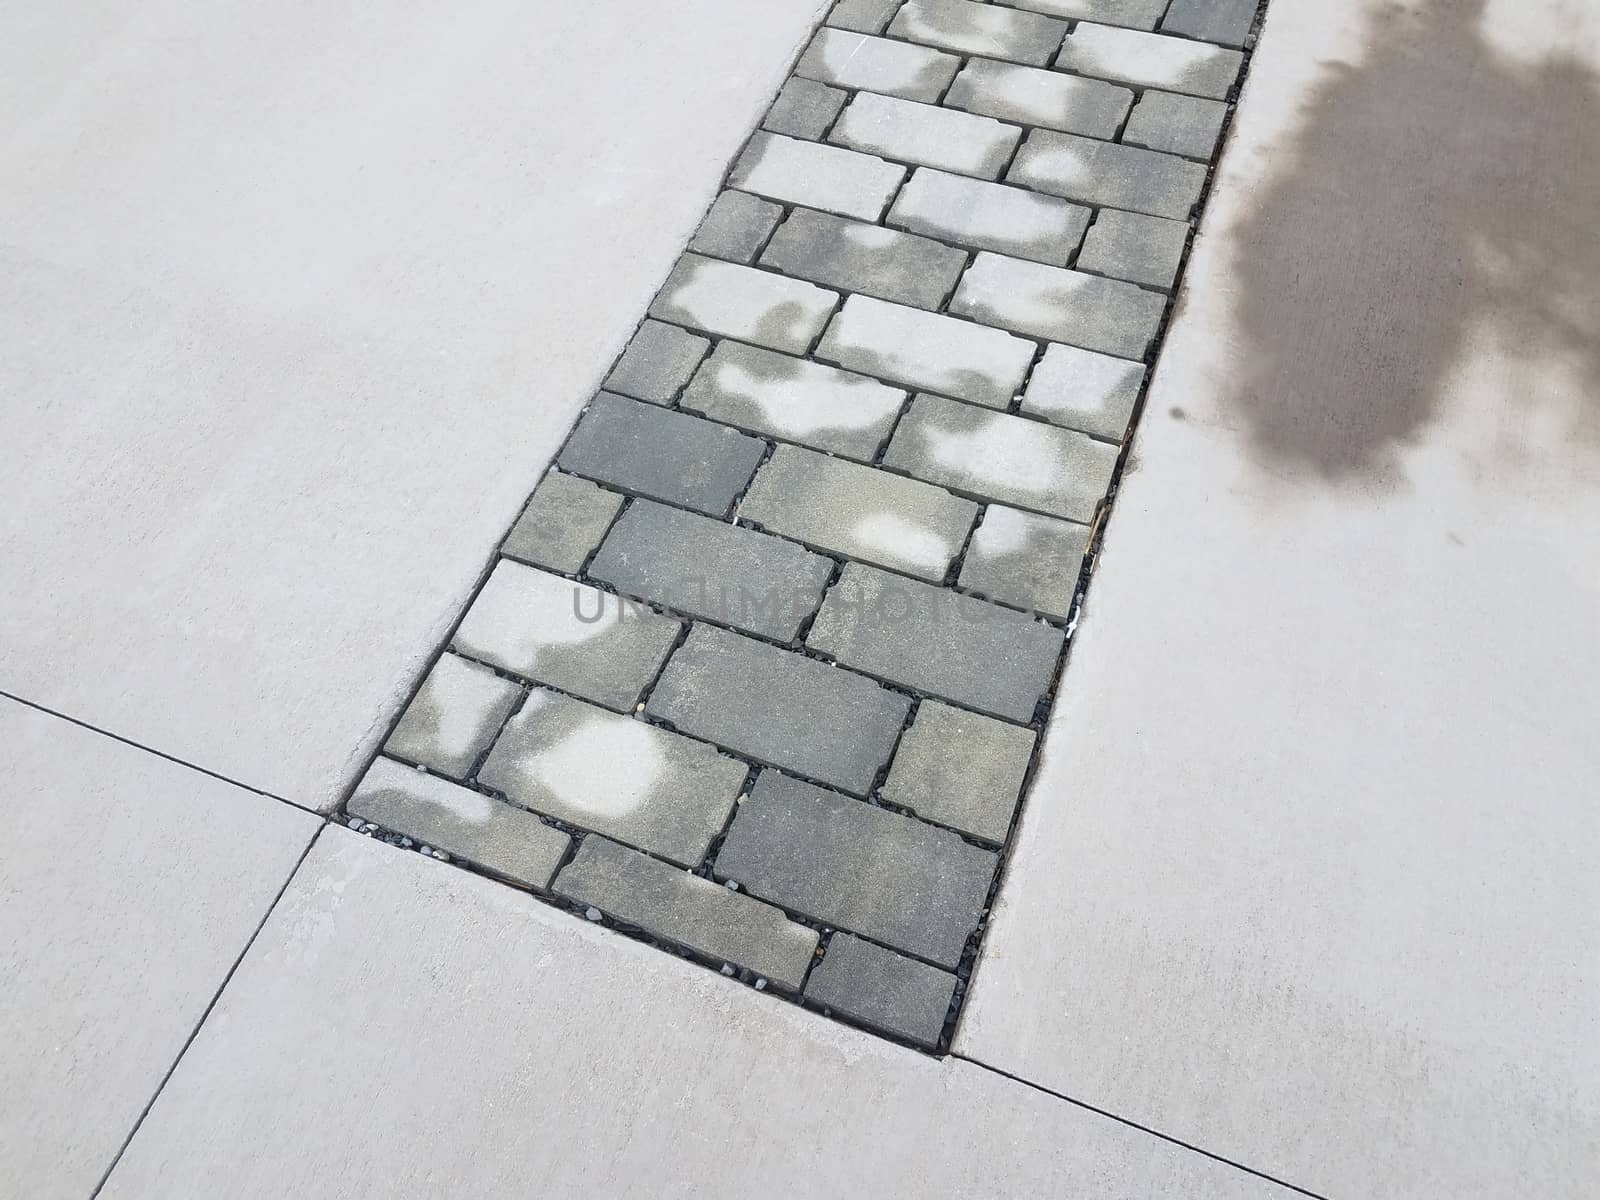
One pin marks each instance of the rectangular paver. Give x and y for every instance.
(1130, 56)
(665, 455)
(1065, 306)
(882, 989)
(565, 634)
(864, 16)
(1080, 389)
(1135, 247)
(736, 227)
(1135, 14)
(990, 216)
(705, 568)
(1105, 173)
(937, 641)
(1175, 124)
(804, 109)
(985, 29)
(818, 176)
(563, 523)
(961, 769)
(740, 302)
(1226, 22)
(857, 867)
(921, 133)
(859, 511)
(928, 350)
(868, 259)
(1030, 96)
(1026, 559)
(657, 362)
(795, 399)
(1002, 457)
(875, 64)
(780, 708)
(502, 839)
(453, 717)
(696, 912)
(655, 790)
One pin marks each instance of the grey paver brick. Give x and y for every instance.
(990, 216)
(862, 258)
(706, 568)
(654, 790)
(657, 362)
(864, 16)
(740, 302)
(780, 708)
(563, 523)
(960, 769)
(565, 634)
(1150, 59)
(1135, 247)
(1032, 96)
(856, 60)
(907, 345)
(1081, 389)
(665, 455)
(985, 29)
(818, 176)
(804, 109)
(689, 909)
(1175, 124)
(1065, 306)
(737, 226)
(1226, 22)
(1095, 172)
(937, 641)
(1026, 559)
(883, 989)
(859, 511)
(454, 716)
(1002, 457)
(502, 839)
(1135, 14)
(857, 867)
(921, 133)
(795, 399)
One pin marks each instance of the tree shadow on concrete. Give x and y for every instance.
(1436, 185)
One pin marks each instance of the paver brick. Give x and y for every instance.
(563, 523)
(1026, 559)
(1106, 173)
(1135, 247)
(990, 216)
(1135, 14)
(857, 867)
(859, 511)
(695, 912)
(1062, 305)
(863, 16)
(804, 109)
(740, 302)
(1175, 124)
(657, 362)
(883, 989)
(816, 175)
(921, 133)
(502, 839)
(737, 226)
(780, 708)
(795, 399)
(875, 64)
(706, 568)
(1002, 457)
(1150, 59)
(1223, 21)
(665, 455)
(1032, 96)
(453, 717)
(907, 345)
(937, 641)
(565, 634)
(1079, 389)
(862, 258)
(655, 790)
(960, 769)
(985, 29)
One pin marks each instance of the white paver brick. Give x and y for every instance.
(985, 29)
(817, 175)
(1171, 63)
(1135, 14)
(453, 717)
(990, 216)
(741, 302)
(1064, 306)
(922, 133)
(1082, 389)
(1030, 96)
(875, 64)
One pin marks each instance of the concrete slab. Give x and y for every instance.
(1327, 811)
(129, 885)
(402, 1028)
(297, 301)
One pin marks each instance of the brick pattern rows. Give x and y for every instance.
(761, 669)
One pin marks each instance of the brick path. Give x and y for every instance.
(760, 671)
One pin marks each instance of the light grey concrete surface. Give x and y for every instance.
(297, 300)
(1323, 767)
(404, 1029)
(129, 885)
